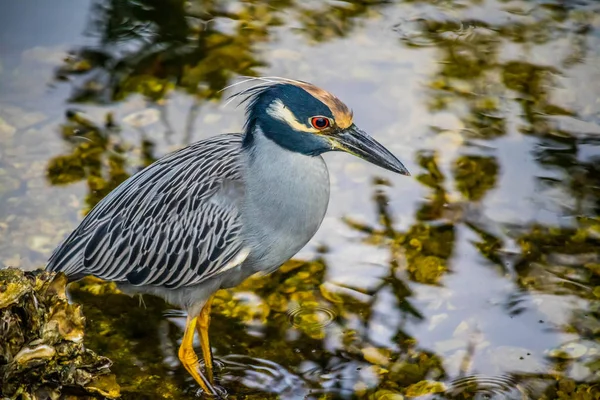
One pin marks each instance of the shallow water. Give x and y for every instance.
(477, 277)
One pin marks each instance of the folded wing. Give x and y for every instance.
(169, 225)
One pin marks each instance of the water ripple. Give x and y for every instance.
(314, 317)
(260, 375)
(503, 387)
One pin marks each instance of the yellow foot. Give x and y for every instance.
(189, 359)
(202, 325)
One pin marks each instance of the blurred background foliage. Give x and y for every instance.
(295, 334)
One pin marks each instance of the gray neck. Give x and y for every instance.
(286, 197)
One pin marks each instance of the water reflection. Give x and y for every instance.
(488, 280)
(426, 247)
(290, 360)
(99, 156)
(151, 47)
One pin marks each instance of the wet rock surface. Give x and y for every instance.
(42, 355)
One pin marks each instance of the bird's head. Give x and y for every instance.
(303, 118)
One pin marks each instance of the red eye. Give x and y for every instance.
(320, 122)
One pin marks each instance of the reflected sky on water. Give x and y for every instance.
(483, 264)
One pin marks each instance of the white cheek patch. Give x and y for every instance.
(279, 111)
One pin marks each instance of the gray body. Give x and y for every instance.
(269, 229)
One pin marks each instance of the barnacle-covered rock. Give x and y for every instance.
(41, 342)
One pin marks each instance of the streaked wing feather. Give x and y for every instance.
(168, 225)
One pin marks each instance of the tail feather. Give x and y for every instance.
(68, 258)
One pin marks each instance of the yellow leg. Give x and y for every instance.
(202, 325)
(188, 356)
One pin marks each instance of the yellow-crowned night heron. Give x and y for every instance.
(213, 213)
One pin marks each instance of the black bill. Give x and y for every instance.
(354, 141)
